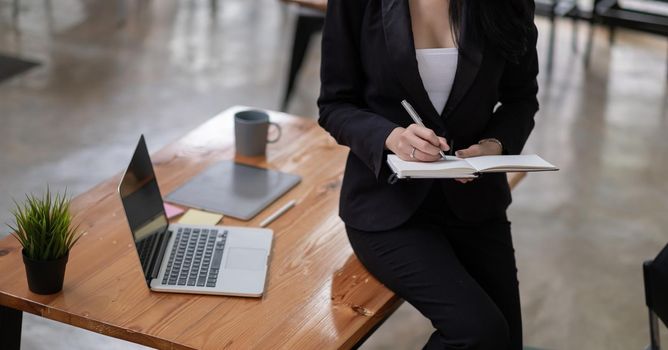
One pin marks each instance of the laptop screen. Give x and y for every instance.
(141, 196)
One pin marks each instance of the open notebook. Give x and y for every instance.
(453, 167)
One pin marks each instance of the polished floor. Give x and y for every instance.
(580, 234)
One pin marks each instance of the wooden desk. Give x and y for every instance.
(318, 295)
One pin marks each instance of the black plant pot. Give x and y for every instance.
(45, 276)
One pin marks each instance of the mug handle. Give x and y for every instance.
(278, 127)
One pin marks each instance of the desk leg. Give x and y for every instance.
(10, 328)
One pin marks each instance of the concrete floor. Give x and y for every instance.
(581, 234)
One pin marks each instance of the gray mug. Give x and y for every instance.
(251, 129)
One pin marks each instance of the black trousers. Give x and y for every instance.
(460, 275)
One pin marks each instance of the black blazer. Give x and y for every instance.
(369, 66)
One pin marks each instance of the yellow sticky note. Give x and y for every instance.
(198, 217)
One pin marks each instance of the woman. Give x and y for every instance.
(469, 69)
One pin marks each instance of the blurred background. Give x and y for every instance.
(79, 80)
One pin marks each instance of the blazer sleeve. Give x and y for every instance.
(343, 112)
(513, 120)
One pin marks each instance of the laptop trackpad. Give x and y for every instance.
(246, 259)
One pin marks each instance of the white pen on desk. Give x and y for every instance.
(278, 213)
(416, 118)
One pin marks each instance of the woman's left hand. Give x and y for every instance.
(481, 149)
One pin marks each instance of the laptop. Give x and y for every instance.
(180, 258)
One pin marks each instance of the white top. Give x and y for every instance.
(437, 69)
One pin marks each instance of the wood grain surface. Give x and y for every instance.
(318, 295)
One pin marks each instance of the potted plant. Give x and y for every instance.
(44, 229)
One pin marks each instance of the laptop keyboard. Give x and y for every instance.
(195, 258)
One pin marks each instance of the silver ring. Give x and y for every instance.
(413, 153)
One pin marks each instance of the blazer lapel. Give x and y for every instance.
(468, 65)
(401, 51)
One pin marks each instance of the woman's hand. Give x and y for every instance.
(484, 148)
(416, 143)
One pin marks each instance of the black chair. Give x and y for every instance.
(558, 8)
(612, 14)
(309, 22)
(656, 294)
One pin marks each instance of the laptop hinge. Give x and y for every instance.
(157, 255)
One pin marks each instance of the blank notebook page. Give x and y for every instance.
(404, 165)
(502, 162)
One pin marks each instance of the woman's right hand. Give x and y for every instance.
(426, 143)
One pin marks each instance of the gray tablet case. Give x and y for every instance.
(238, 190)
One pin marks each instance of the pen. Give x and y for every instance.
(416, 118)
(278, 213)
